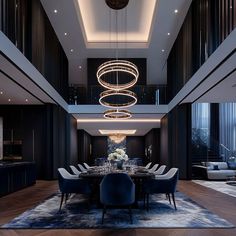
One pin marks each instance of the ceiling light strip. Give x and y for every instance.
(132, 120)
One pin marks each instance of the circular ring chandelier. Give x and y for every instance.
(126, 94)
(117, 66)
(117, 114)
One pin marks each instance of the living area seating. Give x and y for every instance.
(213, 171)
(117, 189)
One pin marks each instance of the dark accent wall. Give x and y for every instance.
(48, 136)
(84, 147)
(206, 25)
(164, 157)
(153, 138)
(72, 142)
(99, 147)
(26, 24)
(135, 146)
(176, 140)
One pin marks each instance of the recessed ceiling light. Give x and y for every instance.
(168, 34)
(9, 100)
(80, 67)
(72, 50)
(26, 100)
(176, 11)
(65, 34)
(1, 92)
(55, 11)
(162, 50)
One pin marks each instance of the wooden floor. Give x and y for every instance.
(219, 203)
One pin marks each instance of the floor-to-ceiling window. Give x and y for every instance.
(200, 131)
(227, 130)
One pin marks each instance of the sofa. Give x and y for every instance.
(213, 171)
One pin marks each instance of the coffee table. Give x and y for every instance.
(231, 180)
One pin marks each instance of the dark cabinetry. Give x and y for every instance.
(15, 176)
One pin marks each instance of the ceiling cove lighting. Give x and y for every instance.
(127, 121)
(108, 131)
(117, 97)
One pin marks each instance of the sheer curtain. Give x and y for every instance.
(227, 129)
(201, 121)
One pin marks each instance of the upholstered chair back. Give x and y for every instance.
(117, 189)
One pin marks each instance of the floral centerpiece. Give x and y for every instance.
(118, 156)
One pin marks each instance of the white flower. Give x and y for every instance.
(118, 155)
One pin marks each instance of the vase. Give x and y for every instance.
(119, 165)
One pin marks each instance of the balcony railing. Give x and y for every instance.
(147, 94)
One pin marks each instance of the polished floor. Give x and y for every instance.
(219, 203)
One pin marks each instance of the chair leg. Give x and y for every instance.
(62, 198)
(147, 201)
(67, 196)
(168, 195)
(144, 200)
(173, 198)
(103, 213)
(130, 215)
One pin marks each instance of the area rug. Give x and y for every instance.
(219, 186)
(75, 215)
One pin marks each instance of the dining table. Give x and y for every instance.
(96, 173)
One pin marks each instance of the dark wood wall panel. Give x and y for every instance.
(176, 140)
(48, 136)
(135, 146)
(207, 24)
(152, 138)
(84, 147)
(99, 147)
(26, 24)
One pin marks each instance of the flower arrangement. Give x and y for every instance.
(118, 155)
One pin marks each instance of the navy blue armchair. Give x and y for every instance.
(71, 184)
(162, 184)
(117, 189)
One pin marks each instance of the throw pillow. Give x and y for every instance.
(215, 167)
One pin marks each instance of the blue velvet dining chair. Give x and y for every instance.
(87, 166)
(160, 170)
(71, 184)
(148, 165)
(75, 171)
(117, 190)
(162, 184)
(82, 168)
(154, 168)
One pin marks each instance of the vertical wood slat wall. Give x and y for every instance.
(26, 24)
(205, 27)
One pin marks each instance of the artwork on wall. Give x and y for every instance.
(116, 141)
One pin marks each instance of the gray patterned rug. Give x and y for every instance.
(219, 186)
(161, 215)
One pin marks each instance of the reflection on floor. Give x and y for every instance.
(220, 186)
